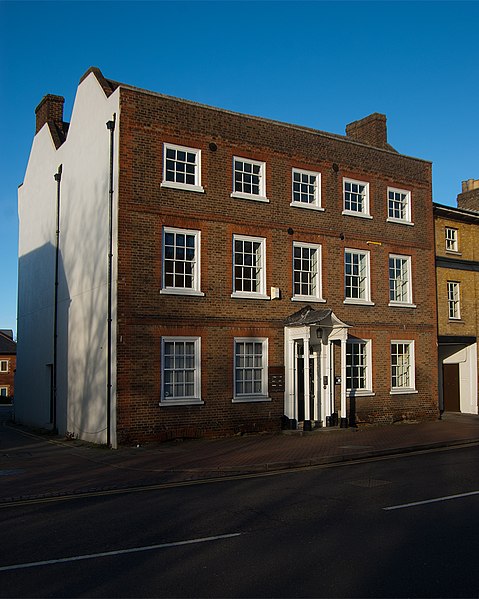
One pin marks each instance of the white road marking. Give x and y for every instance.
(77, 558)
(446, 498)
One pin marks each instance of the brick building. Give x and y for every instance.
(236, 273)
(8, 357)
(457, 264)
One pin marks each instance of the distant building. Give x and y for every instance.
(218, 273)
(457, 265)
(8, 358)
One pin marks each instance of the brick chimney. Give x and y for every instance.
(370, 130)
(50, 109)
(469, 198)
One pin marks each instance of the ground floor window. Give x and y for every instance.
(402, 366)
(180, 370)
(3, 391)
(250, 369)
(358, 365)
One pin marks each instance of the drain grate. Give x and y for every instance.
(369, 483)
(11, 471)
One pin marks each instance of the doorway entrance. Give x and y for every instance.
(451, 388)
(310, 336)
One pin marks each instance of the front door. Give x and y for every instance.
(305, 406)
(450, 378)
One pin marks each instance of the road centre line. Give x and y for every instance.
(77, 558)
(436, 500)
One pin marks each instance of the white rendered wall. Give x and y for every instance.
(466, 357)
(82, 306)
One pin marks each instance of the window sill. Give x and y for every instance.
(183, 186)
(307, 206)
(358, 302)
(453, 253)
(245, 295)
(249, 196)
(357, 214)
(456, 320)
(190, 292)
(308, 298)
(360, 393)
(181, 402)
(402, 391)
(251, 399)
(399, 221)
(401, 305)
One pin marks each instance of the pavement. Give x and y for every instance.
(36, 465)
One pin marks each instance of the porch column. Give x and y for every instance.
(344, 419)
(307, 415)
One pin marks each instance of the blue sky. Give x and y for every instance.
(318, 64)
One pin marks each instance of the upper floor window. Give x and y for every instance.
(249, 179)
(452, 244)
(453, 300)
(358, 366)
(306, 189)
(306, 272)
(402, 367)
(181, 168)
(400, 287)
(180, 370)
(3, 365)
(250, 369)
(356, 277)
(399, 205)
(181, 261)
(249, 267)
(356, 198)
(3, 391)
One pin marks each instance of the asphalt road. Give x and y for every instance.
(338, 531)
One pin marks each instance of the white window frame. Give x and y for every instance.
(316, 195)
(454, 300)
(317, 296)
(411, 367)
(366, 300)
(407, 302)
(182, 400)
(4, 366)
(171, 289)
(263, 394)
(366, 344)
(364, 213)
(261, 267)
(406, 220)
(452, 239)
(196, 186)
(261, 195)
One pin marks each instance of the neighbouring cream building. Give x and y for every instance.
(457, 267)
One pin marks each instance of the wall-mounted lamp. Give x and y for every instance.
(213, 147)
(290, 231)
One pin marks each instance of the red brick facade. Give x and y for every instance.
(145, 315)
(8, 363)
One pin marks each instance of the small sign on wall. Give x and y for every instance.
(276, 379)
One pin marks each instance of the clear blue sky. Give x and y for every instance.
(318, 64)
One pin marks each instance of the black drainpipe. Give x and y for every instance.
(111, 128)
(53, 408)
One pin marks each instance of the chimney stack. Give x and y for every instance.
(469, 198)
(50, 109)
(371, 130)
